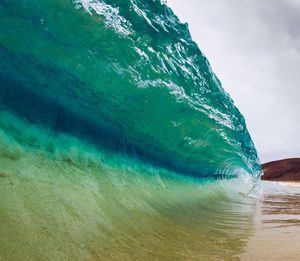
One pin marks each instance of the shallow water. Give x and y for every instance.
(276, 224)
(280, 208)
(66, 205)
(51, 223)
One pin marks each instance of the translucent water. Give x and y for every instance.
(114, 134)
(66, 201)
(277, 224)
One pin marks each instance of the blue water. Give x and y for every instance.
(117, 141)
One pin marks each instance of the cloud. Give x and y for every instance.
(254, 48)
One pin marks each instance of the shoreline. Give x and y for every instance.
(277, 224)
(284, 183)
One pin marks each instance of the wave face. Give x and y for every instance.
(127, 76)
(109, 115)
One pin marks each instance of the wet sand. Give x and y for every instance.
(277, 224)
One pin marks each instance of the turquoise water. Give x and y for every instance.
(116, 137)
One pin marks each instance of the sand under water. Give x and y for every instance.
(104, 214)
(276, 234)
(70, 202)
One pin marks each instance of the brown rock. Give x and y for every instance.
(282, 170)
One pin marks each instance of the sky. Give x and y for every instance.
(253, 47)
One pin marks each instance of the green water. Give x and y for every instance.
(66, 201)
(117, 141)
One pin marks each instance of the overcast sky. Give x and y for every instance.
(254, 48)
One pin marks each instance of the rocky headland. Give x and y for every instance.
(287, 170)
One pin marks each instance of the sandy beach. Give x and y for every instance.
(286, 183)
(277, 224)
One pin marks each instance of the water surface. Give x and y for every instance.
(276, 224)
